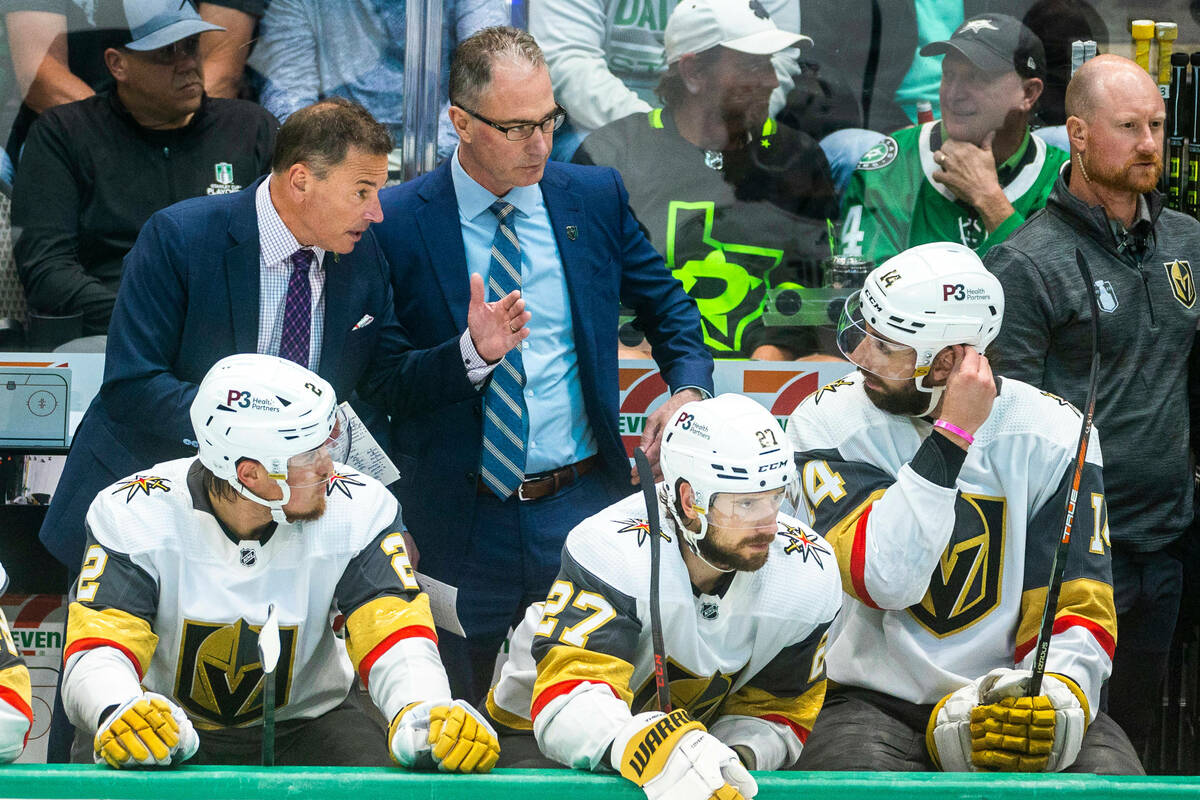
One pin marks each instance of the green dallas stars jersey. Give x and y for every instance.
(729, 224)
(893, 203)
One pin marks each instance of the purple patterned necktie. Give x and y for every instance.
(297, 310)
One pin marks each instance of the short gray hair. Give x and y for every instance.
(471, 69)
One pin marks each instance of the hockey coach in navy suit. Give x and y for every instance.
(288, 266)
(496, 480)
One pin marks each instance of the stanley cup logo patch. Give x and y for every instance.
(223, 173)
(1179, 272)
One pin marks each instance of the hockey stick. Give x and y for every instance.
(268, 657)
(1059, 565)
(646, 478)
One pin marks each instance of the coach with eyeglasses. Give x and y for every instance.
(493, 483)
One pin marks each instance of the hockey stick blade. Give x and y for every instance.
(268, 657)
(646, 479)
(1059, 565)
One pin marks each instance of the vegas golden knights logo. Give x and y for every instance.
(219, 676)
(701, 695)
(1182, 286)
(965, 584)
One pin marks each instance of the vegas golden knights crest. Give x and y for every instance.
(1179, 272)
(702, 696)
(965, 584)
(219, 676)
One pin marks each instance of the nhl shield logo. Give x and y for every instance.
(223, 172)
(1106, 296)
(1179, 272)
(248, 557)
(709, 610)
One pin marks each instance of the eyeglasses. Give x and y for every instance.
(517, 133)
(171, 53)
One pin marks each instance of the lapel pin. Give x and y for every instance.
(572, 232)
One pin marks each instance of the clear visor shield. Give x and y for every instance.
(745, 511)
(870, 352)
(312, 467)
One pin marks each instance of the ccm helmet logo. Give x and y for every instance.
(239, 398)
(772, 467)
(955, 291)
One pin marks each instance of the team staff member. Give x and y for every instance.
(942, 489)
(163, 658)
(505, 450)
(734, 202)
(16, 711)
(1139, 253)
(975, 175)
(746, 595)
(93, 171)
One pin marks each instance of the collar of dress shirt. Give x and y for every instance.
(275, 240)
(473, 199)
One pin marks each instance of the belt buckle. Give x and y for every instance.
(521, 492)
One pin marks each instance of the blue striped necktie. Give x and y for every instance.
(502, 462)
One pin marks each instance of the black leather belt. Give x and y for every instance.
(544, 484)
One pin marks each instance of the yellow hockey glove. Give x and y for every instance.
(145, 731)
(449, 735)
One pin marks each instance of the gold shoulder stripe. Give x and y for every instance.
(565, 667)
(504, 716)
(374, 622)
(796, 712)
(88, 628)
(1083, 601)
(851, 563)
(15, 689)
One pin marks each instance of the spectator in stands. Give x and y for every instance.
(506, 450)
(606, 56)
(99, 167)
(1105, 204)
(974, 176)
(311, 49)
(734, 202)
(58, 46)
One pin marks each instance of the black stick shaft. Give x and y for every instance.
(646, 479)
(1064, 545)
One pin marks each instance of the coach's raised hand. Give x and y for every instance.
(495, 327)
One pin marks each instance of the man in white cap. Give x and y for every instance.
(605, 57)
(735, 203)
(93, 171)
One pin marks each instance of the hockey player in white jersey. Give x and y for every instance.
(941, 488)
(16, 710)
(746, 596)
(183, 561)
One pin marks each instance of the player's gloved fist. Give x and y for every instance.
(992, 724)
(145, 731)
(447, 734)
(673, 757)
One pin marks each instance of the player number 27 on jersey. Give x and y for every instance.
(598, 611)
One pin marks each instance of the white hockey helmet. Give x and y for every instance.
(268, 409)
(728, 443)
(926, 298)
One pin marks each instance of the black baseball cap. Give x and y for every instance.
(995, 43)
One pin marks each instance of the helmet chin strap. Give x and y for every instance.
(935, 395)
(276, 506)
(693, 539)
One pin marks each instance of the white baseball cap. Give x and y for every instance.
(743, 25)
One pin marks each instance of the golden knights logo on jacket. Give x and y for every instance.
(1179, 272)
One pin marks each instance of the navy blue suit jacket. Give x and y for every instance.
(189, 297)
(607, 262)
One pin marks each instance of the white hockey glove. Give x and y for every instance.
(146, 731)
(447, 734)
(672, 757)
(991, 724)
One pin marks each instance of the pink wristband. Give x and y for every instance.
(957, 431)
